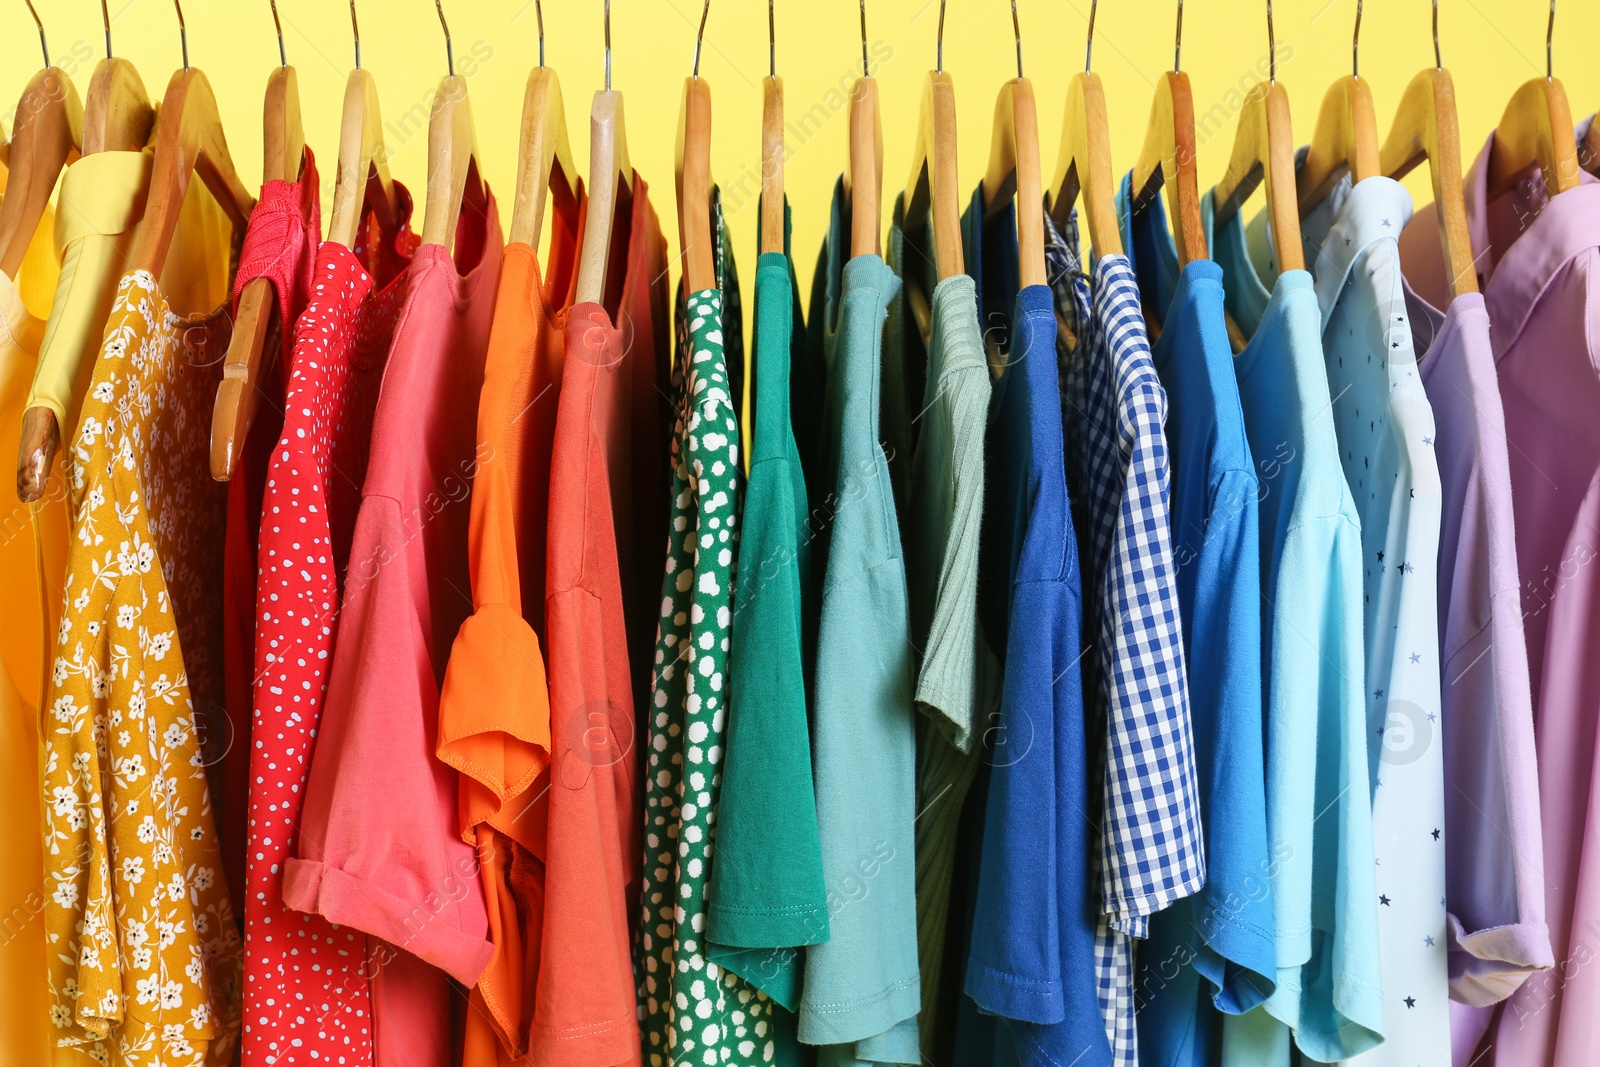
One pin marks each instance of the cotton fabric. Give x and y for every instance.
(380, 848)
(311, 495)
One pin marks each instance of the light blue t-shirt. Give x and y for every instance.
(1319, 816)
(1213, 951)
(1386, 433)
(862, 987)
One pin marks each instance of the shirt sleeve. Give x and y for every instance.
(379, 848)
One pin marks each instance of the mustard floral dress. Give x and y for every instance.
(144, 954)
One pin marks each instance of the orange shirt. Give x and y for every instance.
(494, 712)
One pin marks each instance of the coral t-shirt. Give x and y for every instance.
(607, 551)
(494, 713)
(380, 847)
(311, 495)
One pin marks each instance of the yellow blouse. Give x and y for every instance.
(25, 617)
(144, 954)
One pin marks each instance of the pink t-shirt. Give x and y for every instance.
(380, 847)
(1540, 261)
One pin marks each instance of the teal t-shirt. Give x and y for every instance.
(861, 990)
(767, 895)
(1319, 812)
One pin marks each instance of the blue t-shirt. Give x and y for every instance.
(1032, 951)
(1224, 933)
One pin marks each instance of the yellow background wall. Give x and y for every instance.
(1490, 46)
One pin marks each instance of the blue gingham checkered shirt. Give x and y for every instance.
(1151, 845)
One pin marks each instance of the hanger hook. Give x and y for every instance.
(1438, 61)
(1016, 31)
(449, 49)
(865, 73)
(283, 57)
(700, 35)
(1177, 44)
(355, 28)
(1272, 49)
(608, 44)
(42, 43)
(105, 17)
(1088, 49)
(183, 35)
(772, 40)
(938, 53)
(1549, 37)
(538, 16)
(1355, 46)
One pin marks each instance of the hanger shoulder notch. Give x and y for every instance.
(1425, 128)
(544, 155)
(1345, 142)
(1084, 165)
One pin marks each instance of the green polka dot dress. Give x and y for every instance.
(691, 1011)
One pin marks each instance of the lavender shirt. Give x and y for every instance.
(1540, 260)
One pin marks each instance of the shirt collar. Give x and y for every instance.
(1375, 210)
(1518, 273)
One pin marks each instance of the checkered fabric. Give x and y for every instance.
(1151, 847)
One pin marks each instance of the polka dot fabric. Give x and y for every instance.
(306, 993)
(692, 1011)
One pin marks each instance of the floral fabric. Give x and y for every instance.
(144, 955)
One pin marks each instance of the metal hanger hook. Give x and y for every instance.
(1355, 45)
(183, 35)
(449, 49)
(43, 44)
(938, 53)
(772, 40)
(283, 57)
(1088, 49)
(1177, 44)
(1549, 37)
(700, 35)
(355, 28)
(105, 17)
(538, 17)
(1016, 31)
(608, 44)
(865, 73)
(1438, 60)
(1272, 49)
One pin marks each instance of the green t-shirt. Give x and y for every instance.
(767, 896)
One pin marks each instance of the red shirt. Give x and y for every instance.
(308, 515)
(279, 245)
(607, 550)
(380, 848)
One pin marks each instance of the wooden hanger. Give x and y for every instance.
(258, 318)
(1425, 128)
(693, 176)
(361, 181)
(863, 181)
(452, 151)
(1536, 128)
(1013, 176)
(773, 228)
(1346, 137)
(544, 152)
(117, 115)
(1083, 163)
(189, 141)
(610, 173)
(1263, 150)
(47, 136)
(1169, 157)
(933, 190)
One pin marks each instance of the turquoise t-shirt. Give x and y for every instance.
(862, 987)
(1319, 813)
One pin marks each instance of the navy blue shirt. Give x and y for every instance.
(1032, 951)
(1213, 951)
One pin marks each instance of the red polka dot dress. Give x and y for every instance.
(307, 999)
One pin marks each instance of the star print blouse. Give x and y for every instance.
(1385, 430)
(311, 492)
(144, 955)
